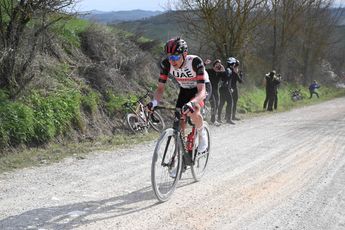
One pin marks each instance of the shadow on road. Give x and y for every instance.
(79, 214)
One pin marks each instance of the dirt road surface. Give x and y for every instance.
(279, 171)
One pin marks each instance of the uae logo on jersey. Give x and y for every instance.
(186, 73)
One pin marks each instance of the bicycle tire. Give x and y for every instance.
(163, 184)
(135, 124)
(157, 126)
(200, 161)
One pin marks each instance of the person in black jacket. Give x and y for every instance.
(225, 92)
(215, 74)
(266, 79)
(237, 76)
(272, 82)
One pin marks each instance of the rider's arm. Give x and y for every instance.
(201, 95)
(159, 91)
(164, 71)
(199, 68)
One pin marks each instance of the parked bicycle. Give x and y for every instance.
(296, 95)
(140, 119)
(170, 157)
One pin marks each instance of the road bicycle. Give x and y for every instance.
(140, 119)
(174, 153)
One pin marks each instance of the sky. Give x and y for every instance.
(117, 5)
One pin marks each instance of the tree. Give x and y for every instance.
(300, 30)
(317, 29)
(226, 25)
(22, 24)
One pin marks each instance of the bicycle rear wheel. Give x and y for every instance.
(200, 160)
(156, 121)
(166, 165)
(135, 123)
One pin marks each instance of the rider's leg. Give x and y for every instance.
(199, 124)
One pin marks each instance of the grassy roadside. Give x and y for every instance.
(251, 101)
(23, 157)
(250, 104)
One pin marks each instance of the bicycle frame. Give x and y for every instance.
(179, 126)
(140, 109)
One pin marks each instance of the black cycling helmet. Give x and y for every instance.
(175, 46)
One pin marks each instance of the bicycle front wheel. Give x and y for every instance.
(200, 160)
(135, 124)
(166, 165)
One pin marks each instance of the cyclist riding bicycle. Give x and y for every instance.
(188, 70)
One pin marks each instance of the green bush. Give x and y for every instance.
(44, 125)
(55, 114)
(90, 101)
(16, 123)
(70, 30)
(114, 103)
(250, 100)
(40, 118)
(3, 96)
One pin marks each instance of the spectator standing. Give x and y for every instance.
(272, 82)
(313, 89)
(225, 93)
(216, 73)
(237, 76)
(266, 79)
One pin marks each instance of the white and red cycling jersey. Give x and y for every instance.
(188, 76)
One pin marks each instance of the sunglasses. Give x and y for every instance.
(174, 57)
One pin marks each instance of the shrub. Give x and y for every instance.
(90, 101)
(44, 125)
(16, 124)
(54, 114)
(114, 103)
(70, 30)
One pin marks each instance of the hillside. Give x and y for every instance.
(86, 73)
(160, 27)
(118, 16)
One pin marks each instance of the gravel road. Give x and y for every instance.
(278, 171)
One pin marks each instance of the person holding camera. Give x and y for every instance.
(272, 82)
(225, 92)
(216, 73)
(237, 76)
